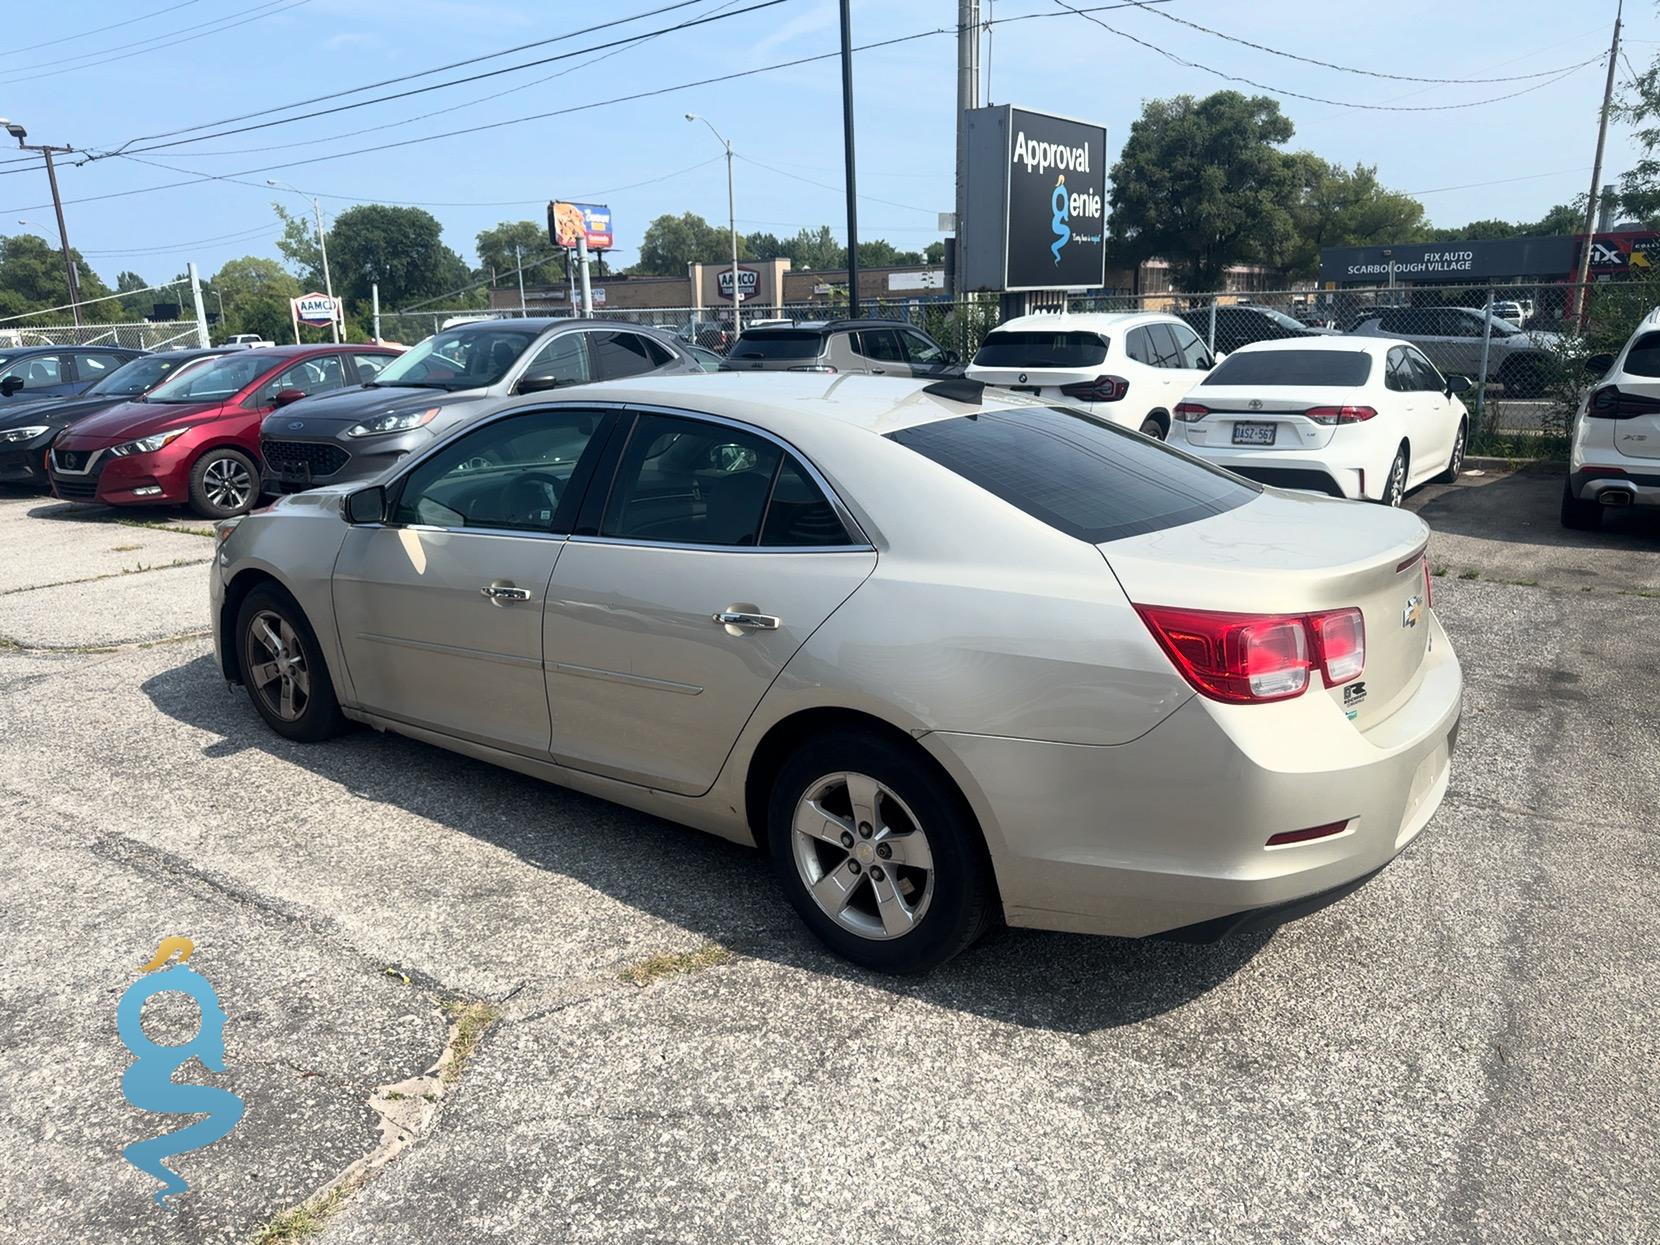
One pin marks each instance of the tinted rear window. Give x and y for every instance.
(1027, 348)
(1643, 359)
(1332, 369)
(778, 344)
(1079, 475)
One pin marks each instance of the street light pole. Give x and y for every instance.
(73, 282)
(852, 181)
(322, 246)
(732, 224)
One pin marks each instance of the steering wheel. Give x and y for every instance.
(530, 492)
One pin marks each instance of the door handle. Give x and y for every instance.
(500, 593)
(738, 618)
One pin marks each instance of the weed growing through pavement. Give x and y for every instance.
(670, 964)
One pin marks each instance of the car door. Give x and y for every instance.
(1401, 379)
(1438, 416)
(1170, 373)
(880, 350)
(716, 553)
(439, 609)
(43, 376)
(923, 355)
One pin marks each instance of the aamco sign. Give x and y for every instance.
(315, 309)
(748, 282)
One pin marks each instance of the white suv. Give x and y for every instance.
(1615, 460)
(1131, 368)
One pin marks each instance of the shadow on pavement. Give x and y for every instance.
(1522, 507)
(715, 888)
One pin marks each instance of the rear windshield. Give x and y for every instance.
(1027, 348)
(778, 344)
(1327, 369)
(1080, 475)
(1643, 359)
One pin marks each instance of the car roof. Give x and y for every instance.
(14, 351)
(1084, 321)
(830, 326)
(1336, 341)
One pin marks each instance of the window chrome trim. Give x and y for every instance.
(634, 542)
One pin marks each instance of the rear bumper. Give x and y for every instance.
(1602, 484)
(1169, 832)
(1306, 470)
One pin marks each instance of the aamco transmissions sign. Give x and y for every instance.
(315, 309)
(1037, 201)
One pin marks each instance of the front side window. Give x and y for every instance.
(37, 371)
(1031, 348)
(1425, 377)
(511, 474)
(1082, 476)
(880, 345)
(920, 350)
(469, 357)
(684, 481)
(308, 376)
(562, 360)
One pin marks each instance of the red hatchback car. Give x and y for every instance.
(195, 439)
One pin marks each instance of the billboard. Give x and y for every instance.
(569, 221)
(748, 282)
(314, 309)
(1449, 261)
(1037, 201)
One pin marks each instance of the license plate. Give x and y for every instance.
(1026, 388)
(1254, 434)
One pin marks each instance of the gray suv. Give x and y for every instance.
(446, 381)
(1518, 359)
(876, 347)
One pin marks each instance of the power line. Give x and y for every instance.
(1319, 99)
(909, 207)
(1500, 181)
(98, 30)
(1367, 73)
(270, 9)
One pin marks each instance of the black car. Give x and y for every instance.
(29, 372)
(28, 426)
(440, 383)
(1240, 324)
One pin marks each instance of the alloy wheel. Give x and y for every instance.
(863, 856)
(1457, 462)
(277, 667)
(1395, 491)
(228, 483)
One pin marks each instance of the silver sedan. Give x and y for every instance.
(947, 658)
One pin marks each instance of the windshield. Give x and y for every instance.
(1045, 348)
(140, 376)
(213, 382)
(461, 358)
(1325, 369)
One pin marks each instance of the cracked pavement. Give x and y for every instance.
(1462, 1051)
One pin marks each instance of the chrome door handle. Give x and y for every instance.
(499, 593)
(736, 618)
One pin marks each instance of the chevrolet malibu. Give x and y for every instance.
(945, 657)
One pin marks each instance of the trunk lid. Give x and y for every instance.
(1265, 407)
(1288, 553)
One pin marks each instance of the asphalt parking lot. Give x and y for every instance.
(1463, 1051)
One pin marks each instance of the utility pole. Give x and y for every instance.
(968, 98)
(1596, 165)
(46, 150)
(731, 223)
(519, 255)
(852, 180)
(196, 299)
(322, 246)
(374, 308)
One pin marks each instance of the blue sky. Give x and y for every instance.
(1511, 159)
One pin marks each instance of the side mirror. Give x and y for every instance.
(952, 357)
(285, 396)
(11, 385)
(1218, 357)
(1596, 365)
(1457, 383)
(367, 505)
(540, 384)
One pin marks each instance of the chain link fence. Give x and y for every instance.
(138, 335)
(1523, 347)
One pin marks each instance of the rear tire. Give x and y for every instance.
(223, 482)
(1394, 488)
(1456, 462)
(281, 665)
(878, 852)
(1153, 427)
(1581, 516)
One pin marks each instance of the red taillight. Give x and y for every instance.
(1610, 403)
(1249, 658)
(1303, 836)
(1340, 414)
(1191, 412)
(1101, 389)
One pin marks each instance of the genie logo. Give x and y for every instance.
(149, 1085)
(1060, 213)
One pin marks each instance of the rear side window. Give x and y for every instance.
(1332, 369)
(1643, 359)
(778, 344)
(1027, 348)
(1079, 475)
(619, 355)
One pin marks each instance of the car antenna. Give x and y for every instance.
(958, 389)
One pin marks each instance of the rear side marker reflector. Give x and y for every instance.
(1303, 836)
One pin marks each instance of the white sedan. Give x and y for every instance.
(1346, 416)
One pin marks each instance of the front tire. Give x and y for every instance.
(878, 853)
(282, 667)
(1394, 488)
(1151, 427)
(223, 482)
(1456, 462)
(1581, 516)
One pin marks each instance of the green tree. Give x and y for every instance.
(671, 242)
(1204, 184)
(766, 246)
(815, 250)
(496, 253)
(880, 253)
(1346, 207)
(934, 253)
(31, 276)
(298, 245)
(400, 248)
(1561, 219)
(255, 291)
